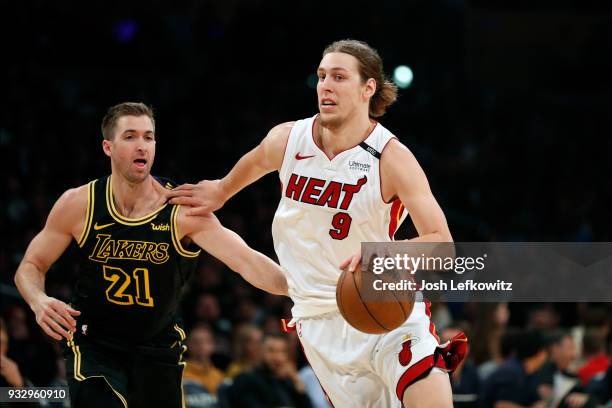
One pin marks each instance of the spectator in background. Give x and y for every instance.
(490, 326)
(594, 352)
(273, 383)
(10, 375)
(207, 308)
(315, 393)
(543, 316)
(247, 350)
(558, 383)
(34, 355)
(562, 351)
(200, 369)
(601, 388)
(598, 317)
(514, 383)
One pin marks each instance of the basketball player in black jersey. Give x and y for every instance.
(124, 340)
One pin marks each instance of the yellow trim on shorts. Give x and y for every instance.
(89, 214)
(180, 331)
(181, 361)
(183, 364)
(80, 377)
(110, 205)
(175, 239)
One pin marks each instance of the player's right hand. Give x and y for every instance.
(55, 317)
(352, 263)
(205, 197)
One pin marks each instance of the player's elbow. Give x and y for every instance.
(244, 262)
(278, 282)
(283, 288)
(240, 267)
(444, 236)
(436, 235)
(21, 270)
(238, 263)
(261, 272)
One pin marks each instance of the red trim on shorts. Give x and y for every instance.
(416, 371)
(397, 209)
(315, 373)
(412, 373)
(432, 326)
(440, 363)
(285, 326)
(421, 368)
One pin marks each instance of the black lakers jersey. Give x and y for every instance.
(131, 270)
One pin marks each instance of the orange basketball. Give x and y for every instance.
(373, 316)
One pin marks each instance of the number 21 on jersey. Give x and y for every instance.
(121, 282)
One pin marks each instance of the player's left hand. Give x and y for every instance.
(352, 263)
(205, 197)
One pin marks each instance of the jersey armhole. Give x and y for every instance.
(175, 239)
(380, 180)
(89, 214)
(287, 152)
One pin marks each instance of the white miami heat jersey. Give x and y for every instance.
(327, 208)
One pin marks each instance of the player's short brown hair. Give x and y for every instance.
(123, 109)
(370, 66)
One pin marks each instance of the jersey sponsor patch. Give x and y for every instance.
(160, 227)
(356, 166)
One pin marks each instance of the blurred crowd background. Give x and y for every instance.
(509, 112)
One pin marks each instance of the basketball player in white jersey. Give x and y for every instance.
(346, 179)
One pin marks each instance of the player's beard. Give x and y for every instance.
(330, 121)
(136, 178)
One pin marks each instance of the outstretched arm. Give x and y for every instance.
(208, 196)
(65, 220)
(227, 246)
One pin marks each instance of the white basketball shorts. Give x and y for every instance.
(356, 369)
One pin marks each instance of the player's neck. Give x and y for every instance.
(134, 200)
(335, 140)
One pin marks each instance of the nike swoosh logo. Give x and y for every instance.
(99, 227)
(298, 157)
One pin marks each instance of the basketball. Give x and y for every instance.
(375, 315)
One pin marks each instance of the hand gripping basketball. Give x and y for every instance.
(366, 309)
